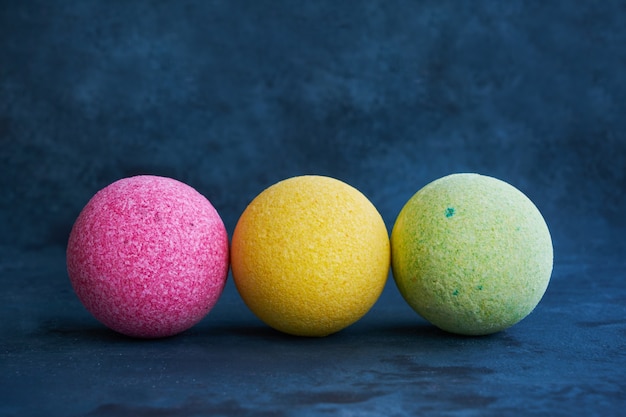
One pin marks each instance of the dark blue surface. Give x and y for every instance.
(232, 96)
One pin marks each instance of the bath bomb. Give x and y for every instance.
(148, 256)
(471, 254)
(310, 255)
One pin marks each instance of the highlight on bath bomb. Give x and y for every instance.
(310, 255)
(471, 254)
(148, 256)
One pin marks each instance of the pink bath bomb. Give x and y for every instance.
(148, 256)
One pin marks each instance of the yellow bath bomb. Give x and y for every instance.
(471, 254)
(310, 255)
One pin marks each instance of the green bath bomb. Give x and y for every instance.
(471, 254)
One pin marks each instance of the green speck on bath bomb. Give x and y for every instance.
(481, 267)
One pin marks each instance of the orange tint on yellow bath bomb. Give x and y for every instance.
(310, 255)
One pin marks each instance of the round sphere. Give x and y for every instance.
(148, 256)
(310, 255)
(471, 254)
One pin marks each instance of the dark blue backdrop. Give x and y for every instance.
(233, 96)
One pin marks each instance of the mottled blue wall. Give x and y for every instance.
(232, 96)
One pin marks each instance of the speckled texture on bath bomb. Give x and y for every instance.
(471, 254)
(310, 255)
(148, 256)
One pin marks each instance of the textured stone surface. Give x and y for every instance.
(566, 358)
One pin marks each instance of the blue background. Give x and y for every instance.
(233, 96)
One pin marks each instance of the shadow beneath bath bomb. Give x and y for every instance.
(258, 332)
(411, 330)
(426, 332)
(87, 332)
